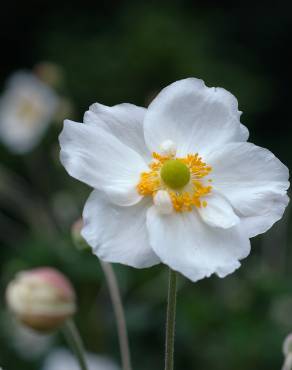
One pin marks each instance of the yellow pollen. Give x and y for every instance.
(193, 183)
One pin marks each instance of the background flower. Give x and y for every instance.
(27, 107)
(63, 359)
(27, 343)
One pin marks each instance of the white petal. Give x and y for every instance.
(188, 245)
(244, 133)
(193, 116)
(125, 121)
(168, 148)
(99, 159)
(252, 179)
(258, 224)
(117, 234)
(218, 212)
(163, 203)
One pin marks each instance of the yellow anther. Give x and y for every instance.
(184, 180)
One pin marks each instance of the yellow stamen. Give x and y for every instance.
(190, 194)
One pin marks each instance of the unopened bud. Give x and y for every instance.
(50, 73)
(41, 298)
(77, 238)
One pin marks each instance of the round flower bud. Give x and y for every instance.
(41, 299)
(77, 238)
(50, 73)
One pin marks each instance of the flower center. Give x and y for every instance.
(182, 181)
(29, 111)
(175, 174)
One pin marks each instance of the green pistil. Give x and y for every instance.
(175, 174)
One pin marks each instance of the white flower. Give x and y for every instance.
(26, 108)
(28, 343)
(287, 345)
(61, 359)
(190, 144)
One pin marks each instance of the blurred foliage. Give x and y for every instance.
(112, 52)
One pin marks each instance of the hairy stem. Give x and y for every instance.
(170, 320)
(74, 340)
(119, 314)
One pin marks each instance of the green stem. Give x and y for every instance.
(74, 340)
(170, 320)
(119, 314)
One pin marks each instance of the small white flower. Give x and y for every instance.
(27, 106)
(190, 144)
(287, 363)
(61, 359)
(27, 343)
(287, 345)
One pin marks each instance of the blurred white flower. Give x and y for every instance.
(28, 343)
(62, 359)
(287, 351)
(287, 345)
(176, 183)
(27, 107)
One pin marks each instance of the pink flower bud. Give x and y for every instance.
(50, 73)
(41, 298)
(77, 238)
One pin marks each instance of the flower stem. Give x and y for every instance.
(170, 320)
(74, 340)
(119, 314)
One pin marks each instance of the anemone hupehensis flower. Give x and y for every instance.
(63, 359)
(176, 183)
(27, 107)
